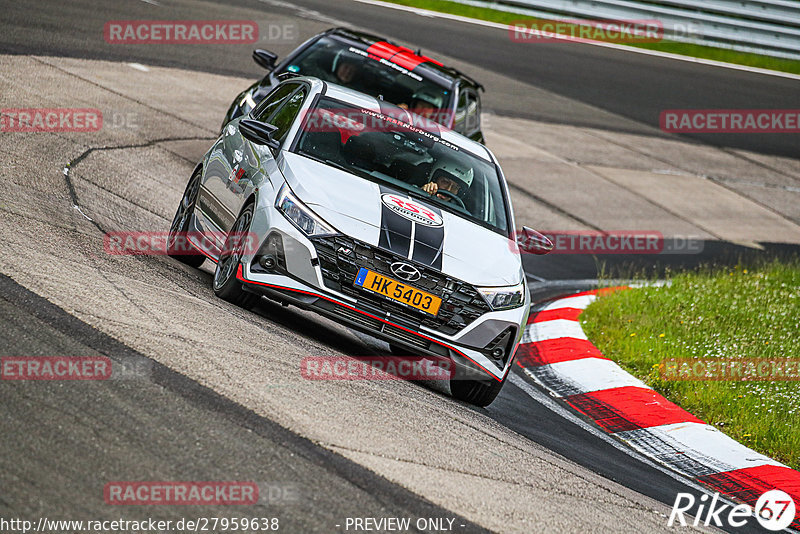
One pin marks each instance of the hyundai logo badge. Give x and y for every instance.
(407, 272)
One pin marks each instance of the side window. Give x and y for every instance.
(287, 113)
(461, 112)
(272, 101)
(473, 112)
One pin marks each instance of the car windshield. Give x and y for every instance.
(409, 157)
(337, 62)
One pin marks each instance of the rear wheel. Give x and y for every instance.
(225, 284)
(178, 246)
(477, 392)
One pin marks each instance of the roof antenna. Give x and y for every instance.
(419, 51)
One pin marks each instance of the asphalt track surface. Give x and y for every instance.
(636, 87)
(168, 413)
(236, 440)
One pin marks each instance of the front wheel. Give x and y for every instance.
(225, 284)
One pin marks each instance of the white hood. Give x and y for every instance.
(356, 207)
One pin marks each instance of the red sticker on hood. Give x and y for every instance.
(414, 211)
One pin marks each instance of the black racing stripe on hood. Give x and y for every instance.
(429, 242)
(395, 230)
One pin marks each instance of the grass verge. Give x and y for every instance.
(734, 313)
(684, 49)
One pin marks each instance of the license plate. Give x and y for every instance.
(398, 291)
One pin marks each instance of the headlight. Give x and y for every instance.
(504, 298)
(299, 215)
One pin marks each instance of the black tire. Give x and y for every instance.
(180, 225)
(225, 284)
(478, 392)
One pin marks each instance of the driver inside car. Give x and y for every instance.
(348, 70)
(449, 177)
(425, 103)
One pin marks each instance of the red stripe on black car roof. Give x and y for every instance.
(405, 57)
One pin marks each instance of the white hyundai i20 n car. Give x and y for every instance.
(369, 215)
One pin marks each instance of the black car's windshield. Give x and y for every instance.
(337, 62)
(409, 157)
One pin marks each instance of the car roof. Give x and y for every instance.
(356, 98)
(404, 56)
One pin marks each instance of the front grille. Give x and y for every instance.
(461, 303)
(359, 318)
(406, 336)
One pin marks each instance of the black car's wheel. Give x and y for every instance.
(477, 392)
(177, 244)
(225, 284)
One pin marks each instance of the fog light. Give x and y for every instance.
(267, 262)
(500, 348)
(270, 256)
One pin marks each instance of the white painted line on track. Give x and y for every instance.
(76, 207)
(546, 401)
(702, 442)
(594, 374)
(581, 303)
(139, 66)
(644, 51)
(554, 329)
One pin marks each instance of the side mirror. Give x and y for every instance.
(265, 58)
(259, 133)
(533, 242)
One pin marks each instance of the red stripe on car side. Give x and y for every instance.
(203, 252)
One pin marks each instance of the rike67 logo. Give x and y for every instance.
(775, 510)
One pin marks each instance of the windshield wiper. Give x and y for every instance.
(337, 165)
(326, 161)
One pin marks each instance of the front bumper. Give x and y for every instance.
(298, 278)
